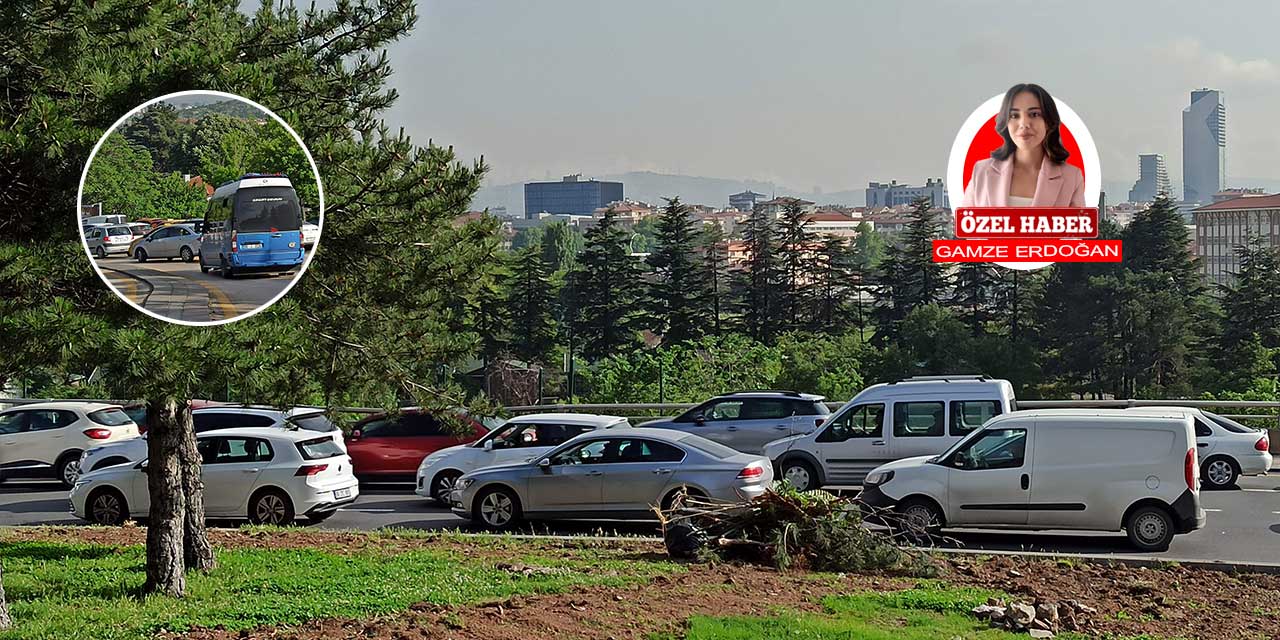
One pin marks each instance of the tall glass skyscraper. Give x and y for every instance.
(1204, 146)
(1153, 178)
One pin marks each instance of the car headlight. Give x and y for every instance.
(877, 478)
(463, 483)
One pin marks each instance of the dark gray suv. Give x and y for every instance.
(748, 420)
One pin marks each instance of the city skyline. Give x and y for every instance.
(808, 96)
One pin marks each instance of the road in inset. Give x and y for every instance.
(179, 290)
(1243, 524)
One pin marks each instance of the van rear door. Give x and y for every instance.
(268, 224)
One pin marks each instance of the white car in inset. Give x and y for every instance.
(517, 440)
(264, 475)
(47, 438)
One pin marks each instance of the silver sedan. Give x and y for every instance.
(619, 474)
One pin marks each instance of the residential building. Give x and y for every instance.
(746, 201)
(775, 206)
(880, 194)
(572, 195)
(1204, 146)
(830, 223)
(729, 220)
(1222, 226)
(1231, 194)
(1153, 178)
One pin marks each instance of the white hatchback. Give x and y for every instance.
(47, 438)
(517, 440)
(264, 475)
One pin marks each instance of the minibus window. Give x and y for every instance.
(266, 209)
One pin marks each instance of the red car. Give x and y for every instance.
(391, 448)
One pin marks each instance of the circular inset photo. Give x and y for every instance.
(200, 207)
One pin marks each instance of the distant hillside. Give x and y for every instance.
(233, 108)
(653, 187)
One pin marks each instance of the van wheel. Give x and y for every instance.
(1219, 473)
(1150, 528)
(919, 519)
(227, 271)
(186, 254)
(800, 474)
(140, 255)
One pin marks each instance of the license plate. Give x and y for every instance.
(252, 245)
(341, 493)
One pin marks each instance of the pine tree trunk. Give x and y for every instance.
(165, 573)
(5, 620)
(196, 552)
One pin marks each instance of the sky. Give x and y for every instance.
(825, 94)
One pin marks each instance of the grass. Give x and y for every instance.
(74, 591)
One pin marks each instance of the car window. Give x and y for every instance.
(649, 451)
(381, 428)
(46, 419)
(590, 452)
(119, 231)
(314, 422)
(723, 410)
(967, 415)
(994, 449)
(13, 422)
(917, 419)
(766, 409)
(537, 435)
(420, 424)
(1229, 424)
(709, 447)
(111, 417)
(234, 449)
(863, 421)
(207, 421)
(1202, 429)
(319, 448)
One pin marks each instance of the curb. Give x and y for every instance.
(1150, 562)
(147, 283)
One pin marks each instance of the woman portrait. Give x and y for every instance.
(1030, 169)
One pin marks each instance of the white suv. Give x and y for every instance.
(47, 438)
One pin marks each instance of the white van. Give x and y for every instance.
(96, 220)
(923, 415)
(1074, 469)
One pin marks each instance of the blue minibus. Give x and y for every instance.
(253, 224)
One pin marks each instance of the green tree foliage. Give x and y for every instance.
(532, 301)
(908, 277)
(796, 264)
(868, 247)
(714, 267)
(156, 129)
(121, 177)
(691, 371)
(605, 287)
(527, 237)
(1250, 316)
(829, 365)
(561, 245)
(758, 281)
(835, 279)
(974, 296)
(677, 296)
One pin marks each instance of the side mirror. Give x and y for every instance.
(141, 466)
(488, 445)
(700, 420)
(545, 465)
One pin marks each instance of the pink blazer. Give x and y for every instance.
(1059, 185)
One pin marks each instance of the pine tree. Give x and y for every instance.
(676, 296)
(1250, 307)
(834, 286)
(973, 299)
(713, 247)
(796, 263)
(532, 302)
(758, 281)
(605, 287)
(908, 277)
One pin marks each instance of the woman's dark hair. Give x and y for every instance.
(1048, 110)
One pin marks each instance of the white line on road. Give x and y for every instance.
(370, 510)
(1213, 510)
(1262, 490)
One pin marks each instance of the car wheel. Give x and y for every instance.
(498, 509)
(271, 507)
(442, 485)
(186, 255)
(101, 253)
(800, 474)
(1219, 473)
(140, 255)
(67, 469)
(919, 519)
(107, 507)
(1150, 528)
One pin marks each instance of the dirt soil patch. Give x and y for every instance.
(1174, 602)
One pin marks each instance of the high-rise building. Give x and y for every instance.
(746, 201)
(893, 194)
(1153, 178)
(1204, 146)
(572, 196)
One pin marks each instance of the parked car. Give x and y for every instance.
(108, 240)
(518, 440)
(613, 474)
(139, 228)
(1074, 469)
(1227, 449)
(253, 224)
(310, 234)
(47, 438)
(916, 416)
(169, 242)
(390, 447)
(267, 476)
(748, 420)
(213, 418)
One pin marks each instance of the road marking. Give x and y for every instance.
(1262, 490)
(1213, 510)
(370, 510)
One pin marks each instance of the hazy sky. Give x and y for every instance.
(827, 94)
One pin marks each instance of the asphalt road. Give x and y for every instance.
(1243, 524)
(179, 290)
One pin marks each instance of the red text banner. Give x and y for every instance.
(1026, 250)
(1027, 222)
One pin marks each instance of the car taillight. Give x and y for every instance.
(234, 246)
(1263, 444)
(754, 470)
(1191, 469)
(310, 469)
(98, 434)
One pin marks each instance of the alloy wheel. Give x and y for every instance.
(1219, 472)
(270, 509)
(106, 508)
(496, 509)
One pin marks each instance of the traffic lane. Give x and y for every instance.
(241, 294)
(28, 502)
